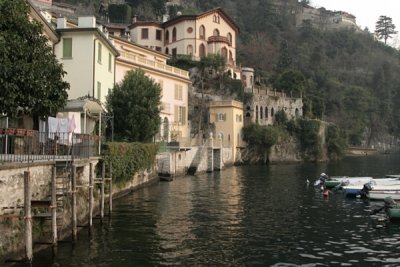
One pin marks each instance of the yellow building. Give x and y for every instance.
(227, 116)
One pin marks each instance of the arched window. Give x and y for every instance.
(244, 80)
(190, 50)
(216, 32)
(202, 32)
(167, 37)
(166, 51)
(215, 18)
(297, 112)
(266, 112)
(202, 50)
(229, 36)
(256, 114)
(272, 112)
(230, 58)
(174, 34)
(247, 114)
(261, 112)
(224, 52)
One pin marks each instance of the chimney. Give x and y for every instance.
(165, 17)
(61, 23)
(87, 22)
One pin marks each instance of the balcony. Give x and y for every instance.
(153, 64)
(219, 39)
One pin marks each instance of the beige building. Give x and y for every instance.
(174, 83)
(324, 19)
(88, 57)
(227, 116)
(266, 102)
(211, 32)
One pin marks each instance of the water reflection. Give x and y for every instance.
(243, 216)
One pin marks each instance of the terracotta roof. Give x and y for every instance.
(194, 17)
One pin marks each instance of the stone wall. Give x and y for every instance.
(12, 195)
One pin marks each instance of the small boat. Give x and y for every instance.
(165, 176)
(335, 181)
(378, 188)
(394, 213)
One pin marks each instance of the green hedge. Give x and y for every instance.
(127, 159)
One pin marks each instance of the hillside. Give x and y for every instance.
(346, 76)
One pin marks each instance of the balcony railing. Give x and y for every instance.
(153, 64)
(219, 39)
(21, 145)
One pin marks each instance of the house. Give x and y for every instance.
(211, 32)
(227, 117)
(88, 57)
(174, 83)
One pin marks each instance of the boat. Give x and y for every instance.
(165, 176)
(336, 181)
(394, 213)
(377, 188)
(382, 194)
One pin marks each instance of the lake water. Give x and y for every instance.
(242, 216)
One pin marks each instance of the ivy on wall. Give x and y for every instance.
(127, 159)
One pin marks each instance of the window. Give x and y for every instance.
(180, 115)
(229, 38)
(189, 30)
(202, 32)
(67, 47)
(190, 50)
(99, 90)
(178, 92)
(174, 35)
(145, 33)
(166, 51)
(99, 48)
(109, 62)
(158, 35)
(272, 112)
(221, 116)
(266, 112)
(261, 112)
(216, 19)
(174, 52)
(167, 37)
(224, 53)
(216, 32)
(202, 50)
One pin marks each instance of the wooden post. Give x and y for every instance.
(53, 206)
(103, 176)
(28, 216)
(90, 194)
(110, 200)
(73, 211)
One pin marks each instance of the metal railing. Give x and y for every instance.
(21, 145)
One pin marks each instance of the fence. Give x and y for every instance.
(21, 145)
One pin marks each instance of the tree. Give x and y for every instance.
(31, 78)
(384, 28)
(135, 103)
(208, 74)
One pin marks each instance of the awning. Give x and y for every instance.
(82, 105)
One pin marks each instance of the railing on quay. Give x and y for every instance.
(21, 145)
